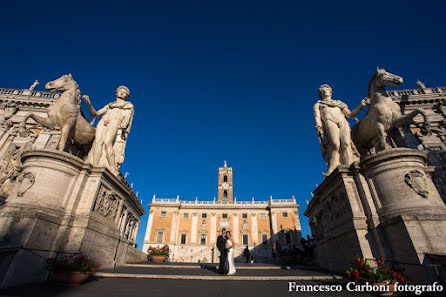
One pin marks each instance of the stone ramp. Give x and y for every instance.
(194, 271)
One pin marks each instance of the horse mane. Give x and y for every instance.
(370, 83)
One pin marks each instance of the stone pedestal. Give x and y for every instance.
(385, 206)
(62, 205)
(400, 183)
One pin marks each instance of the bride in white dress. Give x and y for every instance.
(230, 246)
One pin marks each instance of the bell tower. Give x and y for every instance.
(225, 186)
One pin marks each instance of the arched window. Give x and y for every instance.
(225, 178)
(225, 194)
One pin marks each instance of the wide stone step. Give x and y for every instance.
(209, 272)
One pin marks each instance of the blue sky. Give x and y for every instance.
(222, 80)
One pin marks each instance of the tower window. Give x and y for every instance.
(225, 194)
(183, 238)
(225, 178)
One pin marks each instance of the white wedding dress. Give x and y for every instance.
(231, 258)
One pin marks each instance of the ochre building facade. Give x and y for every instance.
(190, 228)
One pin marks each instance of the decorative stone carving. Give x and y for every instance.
(416, 179)
(203, 227)
(8, 110)
(383, 115)
(333, 129)
(25, 181)
(107, 204)
(245, 225)
(112, 130)
(11, 167)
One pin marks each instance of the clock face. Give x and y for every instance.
(225, 186)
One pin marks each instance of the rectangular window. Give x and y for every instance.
(185, 215)
(224, 216)
(183, 238)
(204, 215)
(203, 239)
(159, 237)
(163, 214)
(263, 216)
(285, 214)
(265, 238)
(245, 239)
(244, 215)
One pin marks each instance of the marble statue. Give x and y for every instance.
(333, 129)
(421, 84)
(64, 114)
(35, 83)
(112, 130)
(383, 115)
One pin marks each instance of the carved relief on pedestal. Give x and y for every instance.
(25, 181)
(417, 180)
(10, 169)
(107, 204)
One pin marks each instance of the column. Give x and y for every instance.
(149, 227)
(135, 231)
(173, 228)
(193, 231)
(274, 225)
(254, 231)
(213, 228)
(235, 228)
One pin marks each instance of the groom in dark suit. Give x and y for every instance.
(223, 268)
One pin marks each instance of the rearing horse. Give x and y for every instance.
(383, 115)
(65, 114)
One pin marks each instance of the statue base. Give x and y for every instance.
(59, 206)
(384, 206)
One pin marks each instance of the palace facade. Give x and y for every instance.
(190, 228)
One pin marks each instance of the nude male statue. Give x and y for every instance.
(333, 129)
(111, 131)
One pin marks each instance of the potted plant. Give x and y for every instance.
(72, 270)
(158, 255)
(381, 275)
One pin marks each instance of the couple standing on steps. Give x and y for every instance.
(225, 245)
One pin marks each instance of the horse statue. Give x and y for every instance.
(383, 115)
(65, 114)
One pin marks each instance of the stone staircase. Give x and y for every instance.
(197, 271)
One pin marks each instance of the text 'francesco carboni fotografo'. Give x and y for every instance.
(367, 287)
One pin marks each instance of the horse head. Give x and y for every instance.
(63, 83)
(381, 79)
